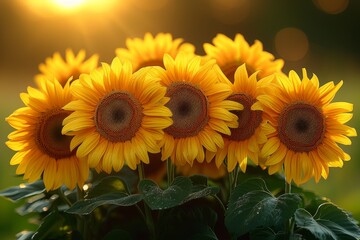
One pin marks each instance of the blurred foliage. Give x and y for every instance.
(188, 208)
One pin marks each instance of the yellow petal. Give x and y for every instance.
(277, 156)
(97, 153)
(257, 106)
(270, 147)
(206, 141)
(89, 143)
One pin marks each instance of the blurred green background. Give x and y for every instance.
(321, 35)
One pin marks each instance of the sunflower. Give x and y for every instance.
(62, 69)
(200, 110)
(230, 54)
(118, 117)
(150, 50)
(246, 139)
(308, 126)
(41, 148)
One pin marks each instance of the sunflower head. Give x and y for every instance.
(42, 150)
(232, 53)
(150, 50)
(309, 127)
(62, 69)
(245, 140)
(200, 110)
(118, 117)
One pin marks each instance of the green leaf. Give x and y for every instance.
(129, 176)
(182, 190)
(338, 220)
(107, 185)
(173, 196)
(252, 205)
(264, 234)
(314, 204)
(24, 235)
(204, 232)
(88, 205)
(329, 222)
(50, 225)
(275, 183)
(269, 234)
(200, 188)
(187, 222)
(39, 206)
(117, 234)
(201, 191)
(199, 180)
(23, 191)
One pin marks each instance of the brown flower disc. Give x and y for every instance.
(301, 127)
(118, 116)
(189, 107)
(49, 138)
(248, 120)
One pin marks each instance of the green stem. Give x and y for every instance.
(220, 202)
(141, 171)
(148, 215)
(231, 176)
(170, 171)
(287, 187)
(80, 193)
(82, 223)
(228, 186)
(235, 176)
(140, 211)
(64, 198)
(289, 225)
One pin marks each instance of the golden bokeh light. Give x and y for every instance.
(230, 11)
(332, 6)
(291, 44)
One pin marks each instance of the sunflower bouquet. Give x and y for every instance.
(163, 143)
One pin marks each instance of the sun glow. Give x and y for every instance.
(61, 7)
(69, 3)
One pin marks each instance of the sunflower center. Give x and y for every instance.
(118, 116)
(229, 69)
(301, 127)
(151, 62)
(248, 119)
(48, 135)
(189, 107)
